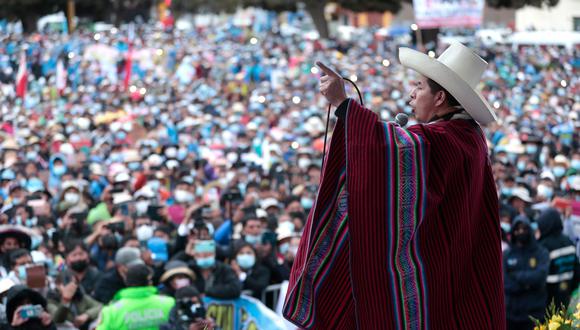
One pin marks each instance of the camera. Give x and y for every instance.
(189, 311)
(31, 311)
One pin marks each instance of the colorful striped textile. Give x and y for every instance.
(398, 239)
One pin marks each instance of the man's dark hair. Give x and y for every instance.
(73, 244)
(138, 275)
(435, 87)
(17, 254)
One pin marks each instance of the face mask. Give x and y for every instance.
(506, 227)
(22, 272)
(154, 184)
(182, 154)
(35, 242)
(72, 198)
(31, 155)
(246, 261)
(506, 191)
(58, 170)
(575, 164)
(284, 248)
(303, 163)
(18, 220)
(521, 166)
(16, 201)
(134, 166)
(559, 171)
(205, 263)
(171, 153)
(531, 149)
(543, 159)
(306, 203)
(145, 152)
(252, 239)
(181, 283)
(141, 207)
(79, 266)
(523, 239)
(144, 233)
(545, 191)
(183, 196)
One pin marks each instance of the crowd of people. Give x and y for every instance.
(173, 165)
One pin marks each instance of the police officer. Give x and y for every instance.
(139, 306)
(525, 266)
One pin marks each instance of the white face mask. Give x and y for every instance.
(303, 163)
(141, 207)
(183, 196)
(144, 233)
(72, 198)
(181, 283)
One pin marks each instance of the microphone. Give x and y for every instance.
(401, 119)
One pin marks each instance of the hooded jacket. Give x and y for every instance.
(525, 271)
(55, 180)
(564, 269)
(15, 297)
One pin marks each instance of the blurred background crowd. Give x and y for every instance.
(198, 155)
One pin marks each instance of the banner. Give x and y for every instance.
(244, 313)
(448, 13)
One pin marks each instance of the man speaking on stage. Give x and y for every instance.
(405, 230)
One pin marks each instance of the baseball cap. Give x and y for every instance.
(128, 256)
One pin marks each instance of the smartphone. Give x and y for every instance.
(31, 311)
(118, 227)
(36, 276)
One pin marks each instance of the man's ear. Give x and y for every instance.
(440, 98)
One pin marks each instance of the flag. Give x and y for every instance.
(22, 77)
(128, 65)
(61, 75)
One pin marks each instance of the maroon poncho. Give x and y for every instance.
(404, 233)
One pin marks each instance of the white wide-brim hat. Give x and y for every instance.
(458, 69)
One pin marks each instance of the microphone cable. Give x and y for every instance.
(328, 119)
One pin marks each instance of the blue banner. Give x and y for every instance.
(244, 313)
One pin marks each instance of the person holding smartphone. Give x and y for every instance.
(26, 309)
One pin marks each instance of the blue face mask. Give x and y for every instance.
(205, 263)
(559, 171)
(575, 163)
(521, 166)
(506, 191)
(307, 203)
(252, 239)
(284, 248)
(531, 149)
(506, 227)
(246, 261)
(134, 166)
(59, 170)
(31, 155)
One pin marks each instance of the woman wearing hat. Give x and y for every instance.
(412, 238)
(176, 276)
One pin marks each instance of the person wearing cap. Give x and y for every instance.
(113, 280)
(564, 274)
(429, 188)
(138, 306)
(20, 297)
(525, 267)
(176, 276)
(212, 277)
(520, 201)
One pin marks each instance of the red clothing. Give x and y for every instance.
(405, 231)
